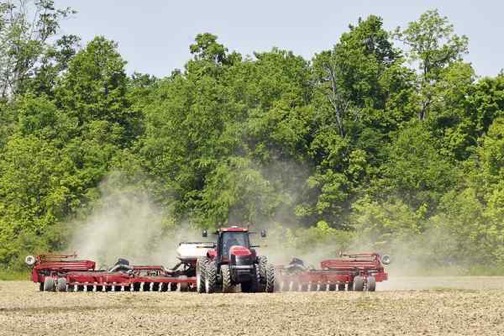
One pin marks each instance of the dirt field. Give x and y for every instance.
(403, 306)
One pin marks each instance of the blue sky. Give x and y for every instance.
(154, 35)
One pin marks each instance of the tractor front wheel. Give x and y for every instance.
(227, 286)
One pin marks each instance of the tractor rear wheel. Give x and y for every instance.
(371, 284)
(358, 284)
(49, 285)
(200, 274)
(269, 286)
(227, 286)
(262, 263)
(211, 277)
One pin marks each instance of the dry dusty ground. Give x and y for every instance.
(403, 306)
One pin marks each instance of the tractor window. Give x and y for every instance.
(231, 238)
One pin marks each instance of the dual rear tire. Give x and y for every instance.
(269, 286)
(266, 275)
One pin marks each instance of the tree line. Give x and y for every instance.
(385, 136)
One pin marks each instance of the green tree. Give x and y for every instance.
(34, 195)
(97, 118)
(485, 103)
(278, 102)
(236, 192)
(359, 94)
(94, 91)
(451, 120)
(188, 127)
(350, 76)
(52, 64)
(433, 45)
(417, 171)
(25, 32)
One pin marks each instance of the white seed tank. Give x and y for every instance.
(191, 251)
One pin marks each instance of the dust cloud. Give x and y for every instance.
(126, 223)
(433, 252)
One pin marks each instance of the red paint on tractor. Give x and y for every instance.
(239, 251)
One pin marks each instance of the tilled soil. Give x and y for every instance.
(436, 306)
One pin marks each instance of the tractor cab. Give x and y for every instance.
(228, 239)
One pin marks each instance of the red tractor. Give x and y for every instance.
(234, 261)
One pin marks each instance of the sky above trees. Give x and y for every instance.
(153, 35)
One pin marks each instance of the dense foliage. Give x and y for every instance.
(366, 140)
